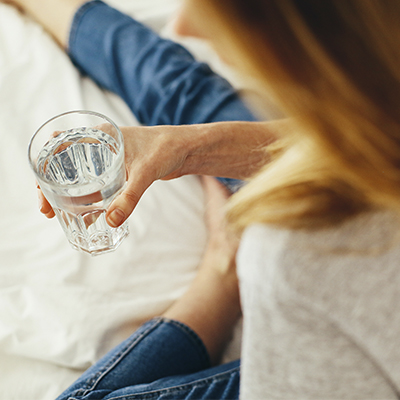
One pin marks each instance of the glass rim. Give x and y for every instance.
(89, 112)
(94, 113)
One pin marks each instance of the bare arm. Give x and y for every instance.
(211, 305)
(54, 15)
(228, 149)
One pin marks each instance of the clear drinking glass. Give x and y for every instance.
(78, 160)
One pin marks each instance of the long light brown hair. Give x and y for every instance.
(333, 66)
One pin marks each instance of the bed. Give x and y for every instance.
(61, 310)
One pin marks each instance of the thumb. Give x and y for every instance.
(122, 207)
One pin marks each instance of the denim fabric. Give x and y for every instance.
(163, 359)
(158, 79)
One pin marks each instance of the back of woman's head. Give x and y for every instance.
(334, 66)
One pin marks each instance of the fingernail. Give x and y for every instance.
(116, 217)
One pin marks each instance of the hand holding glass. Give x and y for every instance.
(78, 160)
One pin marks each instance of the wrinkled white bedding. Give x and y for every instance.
(60, 310)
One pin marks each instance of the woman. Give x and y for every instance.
(318, 260)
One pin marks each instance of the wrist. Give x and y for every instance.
(226, 149)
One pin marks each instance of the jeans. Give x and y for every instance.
(163, 359)
(158, 79)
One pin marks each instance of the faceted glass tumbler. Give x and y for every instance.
(78, 160)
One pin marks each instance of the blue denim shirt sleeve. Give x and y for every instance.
(158, 79)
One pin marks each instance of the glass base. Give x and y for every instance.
(102, 245)
(90, 233)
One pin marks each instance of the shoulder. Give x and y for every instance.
(370, 233)
(350, 255)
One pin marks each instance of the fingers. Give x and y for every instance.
(147, 160)
(122, 207)
(212, 185)
(44, 205)
(216, 198)
(222, 245)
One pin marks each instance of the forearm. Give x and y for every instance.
(211, 307)
(228, 149)
(231, 149)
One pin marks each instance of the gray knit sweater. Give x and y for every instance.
(322, 311)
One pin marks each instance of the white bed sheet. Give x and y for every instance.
(60, 310)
